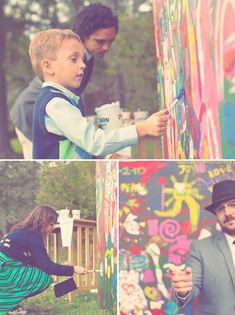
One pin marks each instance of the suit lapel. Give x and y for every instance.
(223, 246)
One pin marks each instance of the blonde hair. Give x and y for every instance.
(45, 45)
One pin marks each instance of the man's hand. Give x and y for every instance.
(182, 281)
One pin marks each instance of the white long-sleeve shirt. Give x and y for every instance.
(64, 119)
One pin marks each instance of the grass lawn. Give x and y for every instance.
(83, 303)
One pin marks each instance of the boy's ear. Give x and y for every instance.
(47, 67)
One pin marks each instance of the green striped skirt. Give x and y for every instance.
(18, 282)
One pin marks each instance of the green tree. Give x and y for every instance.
(17, 191)
(19, 19)
(68, 184)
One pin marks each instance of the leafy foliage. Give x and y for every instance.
(17, 191)
(59, 184)
(68, 184)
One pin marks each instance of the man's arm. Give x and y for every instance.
(21, 113)
(187, 283)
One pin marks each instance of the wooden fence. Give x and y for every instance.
(82, 252)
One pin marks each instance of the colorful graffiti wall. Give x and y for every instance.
(106, 203)
(161, 211)
(195, 46)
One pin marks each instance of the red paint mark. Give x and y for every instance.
(136, 250)
(183, 28)
(174, 28)
(150, 168)
(229, 63)
(202, 111)
(161, 180)
(128, 288)
(158, 312)
(186, 227)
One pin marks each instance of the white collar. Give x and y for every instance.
(88, 55)
(66, 91)
(229, 239)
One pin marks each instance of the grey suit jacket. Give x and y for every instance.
(213, 276)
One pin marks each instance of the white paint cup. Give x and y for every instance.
(63, 214)
(66, 228)
(109, 116)
(76, 214)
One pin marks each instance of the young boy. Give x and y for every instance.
(60, 130)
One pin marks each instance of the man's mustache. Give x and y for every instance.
(228, 219)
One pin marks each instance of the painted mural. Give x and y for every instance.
(106, 204)
(161, 211)
(195, 49)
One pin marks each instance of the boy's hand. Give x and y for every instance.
(155, 125)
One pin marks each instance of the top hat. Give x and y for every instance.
(222, 191)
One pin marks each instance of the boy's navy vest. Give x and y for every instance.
(46, 144)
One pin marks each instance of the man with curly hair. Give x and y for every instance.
(97, 27)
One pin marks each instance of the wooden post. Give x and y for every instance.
(157, 152)
(95, 255)
(79, 252)
(71, 260)
(56, 252)
(142, 151)
(87, 256)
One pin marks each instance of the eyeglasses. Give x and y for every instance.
(230, 205)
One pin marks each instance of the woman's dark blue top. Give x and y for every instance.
(28, 247)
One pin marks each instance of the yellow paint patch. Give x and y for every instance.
(151, 293)
(205, 149)
(109, 272)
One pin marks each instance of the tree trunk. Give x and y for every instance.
(5, 151)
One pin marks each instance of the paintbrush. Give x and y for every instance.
(93, 270)
(176, 100)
